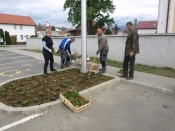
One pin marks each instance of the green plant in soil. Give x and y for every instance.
(73, 83)
(28, 96)
(36, 84)
(5, 87)
(75, 98)
(7, 99)
(14, 102)
(46, 97)
(13, 87)
(25, 102)
(47, 90)
(31, 90)
(45, 82)
(17, 89)
(54, 93)
(40, 94)
(90, 82)
(65, 85)
(22, 93)
(36, 100)
(41, 88)
(21, 84)
(4, 90)
(3, 94)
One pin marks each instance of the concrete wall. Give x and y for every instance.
(26, 30)
(144, 31)
(155, 49)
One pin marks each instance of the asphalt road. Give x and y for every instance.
(121, 108)
(14, 65)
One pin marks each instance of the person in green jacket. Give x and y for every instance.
(131, 49)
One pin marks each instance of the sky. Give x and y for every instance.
(52, 10)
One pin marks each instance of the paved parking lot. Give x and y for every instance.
(14, 65)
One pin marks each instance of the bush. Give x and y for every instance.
(1, 35)
(7, 38)
(13, 39)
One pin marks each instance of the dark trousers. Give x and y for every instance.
(103, 58)
(65, 58)
(131, 61)
(48, 57)
(103, 63)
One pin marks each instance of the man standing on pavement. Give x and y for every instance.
(131, 49)
(102, 49)
(47, 44)
(65, 51)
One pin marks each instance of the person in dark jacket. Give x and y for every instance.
(103, 49)
(47, 44)
(131, 49)
(65, 51)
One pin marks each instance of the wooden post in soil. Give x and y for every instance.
(91, 66)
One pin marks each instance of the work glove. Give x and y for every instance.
(50, 50)
(55, 50)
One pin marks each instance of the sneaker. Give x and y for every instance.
(129, 78)
(53, 70)
(62, 67)
(101, 72)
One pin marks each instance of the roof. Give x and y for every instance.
(147, 25)
(54, 33)
(16, 19)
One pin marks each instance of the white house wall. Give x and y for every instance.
(26, 30)
(143, 31)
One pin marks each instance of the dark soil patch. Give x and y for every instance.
(41, 89)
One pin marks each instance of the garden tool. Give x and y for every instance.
(91, 66)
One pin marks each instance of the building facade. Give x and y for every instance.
(20, 26)
(146, 27)
(166, 16)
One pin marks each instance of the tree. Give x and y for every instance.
(97, 10)
(108, 32)
(13, 39)
(2, 36)
(40, 27)
(116, 29)
(53, 28)
(7, 38)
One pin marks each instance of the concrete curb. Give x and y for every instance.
(163, 90)
(7, 110)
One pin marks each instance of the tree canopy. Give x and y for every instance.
(97, 10)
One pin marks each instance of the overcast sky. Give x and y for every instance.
(52, 10)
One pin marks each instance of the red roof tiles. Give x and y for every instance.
(16, 19)
(147, 25)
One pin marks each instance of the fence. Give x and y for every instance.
(155, 49)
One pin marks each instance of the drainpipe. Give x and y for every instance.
(167, 21)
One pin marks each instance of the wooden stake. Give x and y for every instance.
(91, 66)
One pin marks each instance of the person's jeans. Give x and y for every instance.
(48, 57)
(131, 61)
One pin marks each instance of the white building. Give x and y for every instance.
(166, 16)
(20, 26)
(145, 27)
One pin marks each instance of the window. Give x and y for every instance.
(27, 36)
(21, 27)
(21, 37)
(15, 27)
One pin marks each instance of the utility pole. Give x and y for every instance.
(83, 36)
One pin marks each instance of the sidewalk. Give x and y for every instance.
(163, 84)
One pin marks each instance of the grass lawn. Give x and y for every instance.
(162, 71)
(40, 51)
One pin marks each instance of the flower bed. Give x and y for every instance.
(41, 89)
